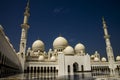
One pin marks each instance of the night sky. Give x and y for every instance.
(76, 20)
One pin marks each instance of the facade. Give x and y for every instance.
(62, 58)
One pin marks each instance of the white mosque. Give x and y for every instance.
(63, 58)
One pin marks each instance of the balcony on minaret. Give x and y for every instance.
(25, 26)
(26, 13)
(107, 36)
(104, 26)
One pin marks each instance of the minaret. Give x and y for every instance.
(109, 49)
(23, 40)
(25, 27)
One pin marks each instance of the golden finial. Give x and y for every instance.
(60, 35)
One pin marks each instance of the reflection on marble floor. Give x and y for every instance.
(54, 76)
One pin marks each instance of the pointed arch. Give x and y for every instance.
(75, 67)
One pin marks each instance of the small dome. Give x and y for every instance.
(29, 48)
(68, 50)
(38, 45)
(53, 58)
(103, 59)
(60, 42)
(92, 56)
(96, 59)
(79, 47)
(41, 58)
(118, 58)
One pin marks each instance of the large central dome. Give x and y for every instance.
(60, 42)
(38, 45)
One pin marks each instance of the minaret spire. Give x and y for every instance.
(109, 49)
(23, 40)
(27, 13)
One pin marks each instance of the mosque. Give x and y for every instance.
(62, 58)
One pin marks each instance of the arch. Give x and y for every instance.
(38, 69)
(31, 69)
(82, 68)
(22, 54)
(28, 69)
(23, 44)
(41, 69)
(34, 69)
(44, 69)
(54, 69)
(75, 67)
(51, 69)
(68, 68)
(48, 69)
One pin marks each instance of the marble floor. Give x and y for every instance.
(54, 76)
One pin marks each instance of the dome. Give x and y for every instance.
(96, 59)
(79, 47)
(41, 58)
(68, 50)
(103, 59)
(53, 58)
(92, 56)
(60, 42)
(118, 58)
(38, 45)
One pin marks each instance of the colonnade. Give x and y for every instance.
(100, 69)
(7, 67)
(118, 68)
(40, 69)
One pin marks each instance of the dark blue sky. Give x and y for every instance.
(76, 20)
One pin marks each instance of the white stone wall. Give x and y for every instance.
(7, 49)
(61, 64)
(65, 60)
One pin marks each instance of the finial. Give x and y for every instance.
(60, 35)
(28, 3)
(27, 9)
(38, 38)
(103, 19)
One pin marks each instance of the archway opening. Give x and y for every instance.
(28, 69)
(34, 69)
(68, 68)
(48, 69)
(31, 69)
(75, 67)
(82, 68)
(38, 69)
(51, 69)
(41, 69)
(44, 69)
(54, 69)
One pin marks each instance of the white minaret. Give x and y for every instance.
(109, 49)
(23, 40)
